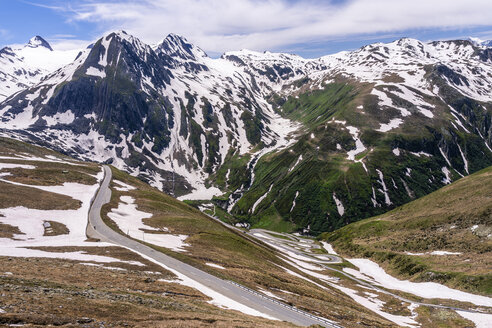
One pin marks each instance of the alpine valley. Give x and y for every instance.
(273, 140)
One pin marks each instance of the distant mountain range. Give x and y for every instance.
(281, 141)
(24, 66)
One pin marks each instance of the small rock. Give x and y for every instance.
(84, 320)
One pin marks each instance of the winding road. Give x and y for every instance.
(96, 228)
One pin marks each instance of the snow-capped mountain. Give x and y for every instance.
(480, 42)
(25, 65)
(310, 141)
(154, 111)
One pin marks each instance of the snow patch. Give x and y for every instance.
(340, 208)
(92, 71)
(259, 200)
(392, 124)
(213, 265)
(123, 186)
(385, 189)
(422, 289)
(447, 175)
(130, 221)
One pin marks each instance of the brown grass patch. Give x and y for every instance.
(393, 78)
(55, 229)
(51, 174)
(58, 292)
(8, 231)
(13, 195)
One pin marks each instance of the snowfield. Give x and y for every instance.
(423, 289)
(31, 224)
(130, 221)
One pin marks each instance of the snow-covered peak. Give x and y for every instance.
(37, 41)
(480, 42)
(22, 66)
(177, 46)
(266, 56)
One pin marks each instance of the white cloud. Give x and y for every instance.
(69, 44)
(218, 25)
(4, 34)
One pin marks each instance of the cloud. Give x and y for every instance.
(217, 25)
(5, 34)
(69, 44)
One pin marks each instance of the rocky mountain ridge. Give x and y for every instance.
(288, 142)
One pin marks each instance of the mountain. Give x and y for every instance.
(382, 125)
(165, 113)
(480, 42)
(23, 66)
(283, 142)
(445, 237)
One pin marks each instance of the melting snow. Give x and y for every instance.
(13, 165)
(213, 265)
(270, 294)
(294, 201)
(371, 302)
(385, 189)
(393, 124)
(92, 71)
(60, 118)
(359, 147)
(259, 200)
(465, 162)
(421, 289)
(444, 253)
(130, 221)
(123, 186)
(299, 159)
(31, 223)
(340, 208)
(328, 248)
(447, 175)
(481, 320)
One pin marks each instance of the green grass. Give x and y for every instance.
(441, 220)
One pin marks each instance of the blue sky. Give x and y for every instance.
(309, 28)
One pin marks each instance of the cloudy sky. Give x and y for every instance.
(307, 27)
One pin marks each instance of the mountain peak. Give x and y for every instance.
(176, 45)
(37, 41)
(479, 42)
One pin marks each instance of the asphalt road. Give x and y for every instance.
(288, 245)
(98, 229)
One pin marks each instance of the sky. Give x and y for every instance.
(310, 28)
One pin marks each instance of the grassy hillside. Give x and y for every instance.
(245, 261)
(407, 161)
(456, 218)
(38, 290)
(131, 291)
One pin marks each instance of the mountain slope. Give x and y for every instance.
(161, 113)
(47, 252)
(444, 237)
(23, 66)
(390, 123)
(285, 142)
